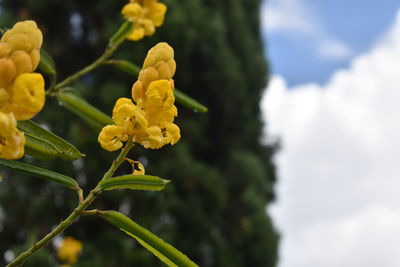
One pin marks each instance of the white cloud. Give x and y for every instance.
(334, 49)
(288, 15)
(296, 19)
(339, 169)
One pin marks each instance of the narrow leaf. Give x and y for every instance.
(46, 64)
(125, 66)
(39, 148)
(39, 172)
(79, 106)
(164, 251)
(189, 102)
(134, 182)
(47, 143)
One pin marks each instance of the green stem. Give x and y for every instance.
(107, 54)
(121, 158)
(76, 213)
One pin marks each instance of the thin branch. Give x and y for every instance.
(80, 210)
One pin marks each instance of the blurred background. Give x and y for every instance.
(332, 100)
(222, 176)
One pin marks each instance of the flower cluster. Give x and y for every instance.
(146, 16)
(21, 91)
(69, 250)
(149, 119)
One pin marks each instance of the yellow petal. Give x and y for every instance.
(154, 139)
(157, 14)
(22, 61)
(172, 133)
(28, 95)
(132, 11)
(12, 147)
(137, 34)
(8, 71)
(111, 136)
(137, 167)
(138, 91)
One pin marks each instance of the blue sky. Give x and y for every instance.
(352, 27)
(333, 100)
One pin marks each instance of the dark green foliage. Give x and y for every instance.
(214, 209)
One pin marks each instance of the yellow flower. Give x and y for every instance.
(69, 250)
(150, 119)
(22, 93)
(13, 146)
(19, 51)
(171, 133)
(111, 137)
(146, 16)
(128, 116)
(12, 141)
(27, 95)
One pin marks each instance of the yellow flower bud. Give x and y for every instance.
(4, 97)
(35, 58)
(5, 49)
(138, 91)
(8, 124)
(164, 70)
(28, 28)
(146, 76)
(20, 47)
(28, 95)
(22, 61)
(8, 71)
(160, 52)
(20, 41)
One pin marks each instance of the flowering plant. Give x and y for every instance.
(147, 118)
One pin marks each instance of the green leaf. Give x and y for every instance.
(46, 64)
(43, 144)
(164, 251)
(125, 66)
(121, 34)
(79, 106)
(39, 172)
(135, 182)
(189, 102)
(39, 148)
